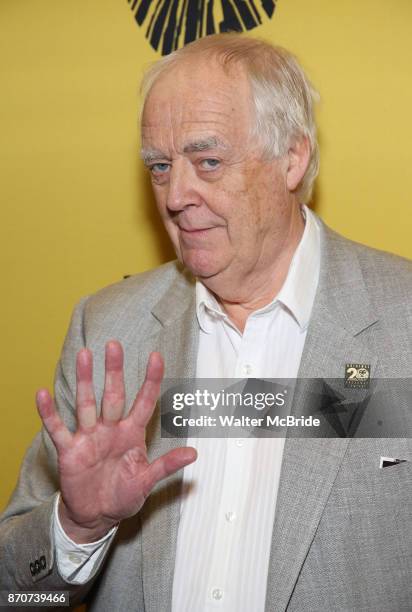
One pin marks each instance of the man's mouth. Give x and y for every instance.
(194, 230)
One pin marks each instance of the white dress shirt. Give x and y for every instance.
(229, 493)
(227, 516)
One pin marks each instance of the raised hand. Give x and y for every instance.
(104, 472)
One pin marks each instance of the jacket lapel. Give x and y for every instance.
(338, 334)
(177, 342)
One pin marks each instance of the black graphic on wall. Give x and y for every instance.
(171, 24)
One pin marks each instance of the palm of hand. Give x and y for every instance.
(104, 472)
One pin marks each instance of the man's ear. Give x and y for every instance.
(298, 160)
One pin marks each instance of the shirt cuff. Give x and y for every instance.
(78, 563)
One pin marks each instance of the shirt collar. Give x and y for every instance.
(207, 308)
(297, 293)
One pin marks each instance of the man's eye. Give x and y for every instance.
(209, 163)
(159, 168)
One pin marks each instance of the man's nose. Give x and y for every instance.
(182, 190)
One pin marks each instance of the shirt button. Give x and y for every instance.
(217, 594)
(239, 443)
(230, 517)
(247, 369)
(76, 559)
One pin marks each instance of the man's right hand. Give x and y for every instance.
(104, 472)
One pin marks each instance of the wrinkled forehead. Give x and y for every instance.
(200, 75)
(198, 96)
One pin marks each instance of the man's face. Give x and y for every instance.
(225, 209)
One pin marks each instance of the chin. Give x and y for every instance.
(202, 264)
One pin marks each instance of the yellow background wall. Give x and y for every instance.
(76, 207)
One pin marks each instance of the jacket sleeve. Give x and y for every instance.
(26, 539)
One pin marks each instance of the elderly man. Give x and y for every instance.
(262, 289)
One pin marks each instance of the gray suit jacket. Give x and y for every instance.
(342, 537)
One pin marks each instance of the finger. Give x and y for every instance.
(166, 465)
(85, 400)
(145, 402)
(52, 422)
(114, 393)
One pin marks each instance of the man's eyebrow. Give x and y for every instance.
(149, 155)
(204, 145)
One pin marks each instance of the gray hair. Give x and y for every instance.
(282, 94)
